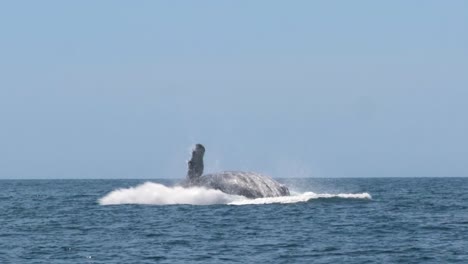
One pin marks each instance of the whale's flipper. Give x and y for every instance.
(195, 164)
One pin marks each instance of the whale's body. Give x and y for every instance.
(248, 184)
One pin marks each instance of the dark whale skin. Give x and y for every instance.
(248, 184)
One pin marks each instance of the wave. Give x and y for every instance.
(158, 194)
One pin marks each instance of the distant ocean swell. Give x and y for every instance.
(157, 194)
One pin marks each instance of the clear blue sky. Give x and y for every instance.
(122, 89)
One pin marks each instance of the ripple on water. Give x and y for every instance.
(62, 222)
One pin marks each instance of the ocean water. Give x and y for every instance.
(367, 220)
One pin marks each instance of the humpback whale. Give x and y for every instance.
(248, 184)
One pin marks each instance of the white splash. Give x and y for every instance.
(304, 197)
(158, 194)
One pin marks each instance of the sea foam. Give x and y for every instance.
(301, 197)
(158, 194)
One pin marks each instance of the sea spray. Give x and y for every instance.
(301, 197)
(158, 194)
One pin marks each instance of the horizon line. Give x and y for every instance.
(284, 178)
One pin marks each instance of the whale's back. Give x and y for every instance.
(248, 184)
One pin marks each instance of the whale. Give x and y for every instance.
(249, 184)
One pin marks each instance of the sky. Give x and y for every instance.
(123, 89)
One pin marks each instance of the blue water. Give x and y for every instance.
(409, 220)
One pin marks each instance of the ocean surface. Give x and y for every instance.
(366, 220)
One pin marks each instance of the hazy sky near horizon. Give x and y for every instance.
(122, 89)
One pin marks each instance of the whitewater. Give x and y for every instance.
(151, 193)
